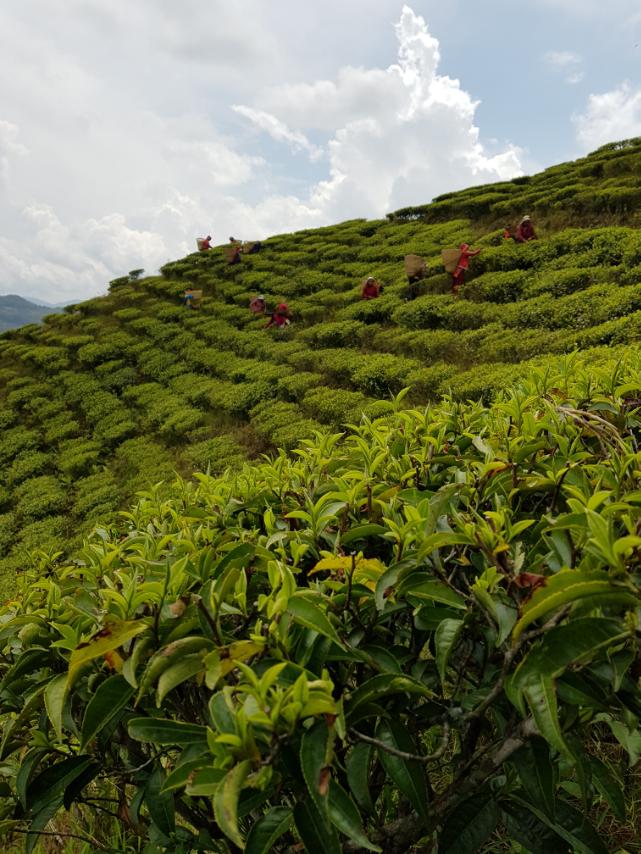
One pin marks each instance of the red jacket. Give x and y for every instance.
(370, 290)
(525, 231)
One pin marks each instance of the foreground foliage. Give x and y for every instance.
(424, 630)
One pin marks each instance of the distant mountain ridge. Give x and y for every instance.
(15, 311)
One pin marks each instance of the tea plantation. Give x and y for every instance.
(419, 636)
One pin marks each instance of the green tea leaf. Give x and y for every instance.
(431, 590)
(571, 825)
(314, 761)
(469, 825)
(268, 829)
(107, 703)
(160, 803)
(345, 817)
(382, 685)
(568, 586)
(178, 673)
(541, 696)
(226, 802)
(314, 830)
(445, 639)
(357, 766)
(409, 775)
(163, 731)
(308, 614)
(608, 787)
(113, 634)
(536, 772)
(55, 695)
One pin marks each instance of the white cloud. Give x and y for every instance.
(278, 130)
(9, 147)
(568, 62)
(609, 117)
(562, 58)
(575, 77)
(128, 145)
(60, 262)
(400, 135)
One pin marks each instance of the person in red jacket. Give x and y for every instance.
(371, 288)
(458, 276)
(280, 318)
(205, 243)
(525, 232)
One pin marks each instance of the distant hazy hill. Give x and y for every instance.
(16, 311)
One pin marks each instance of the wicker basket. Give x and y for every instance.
(450, 258)
(414, 264)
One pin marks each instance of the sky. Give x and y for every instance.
(129, 129)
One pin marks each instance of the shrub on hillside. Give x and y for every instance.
(342, 333)
(369, 311)
(287, 645)
(382, 374)
(141, 461)
(280, 424)
(60, 428)
(294, 386)
(95, 497)
(113, 428)
(214, 454)
(77, 457)
(46, 534)
(39, 497)
(26, 465)
(424, 312)
(16, 440)
(498, 287)
(335, 407)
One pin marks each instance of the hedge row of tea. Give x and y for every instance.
(424, 633)
(122, 391)
(603, 186)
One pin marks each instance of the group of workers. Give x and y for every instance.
(279, 318)
(524, 231)
(524, 234)
(234, 250)
(457, 265)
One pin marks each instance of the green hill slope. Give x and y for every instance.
(123, 390)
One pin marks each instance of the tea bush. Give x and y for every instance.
(39, 497)
(421, 634)
(335, 407)
(27, 465)
(123, 391)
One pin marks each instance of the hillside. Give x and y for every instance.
(16, 311)
(417, 632)
(121, 391)
(424, 633)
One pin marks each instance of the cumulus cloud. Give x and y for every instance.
(401, 135)
(278, 130)
(61, 262)
(134, 146)
(610, 116)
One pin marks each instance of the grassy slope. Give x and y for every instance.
(126, 389)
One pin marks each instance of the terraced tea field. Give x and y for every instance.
(123, 390)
